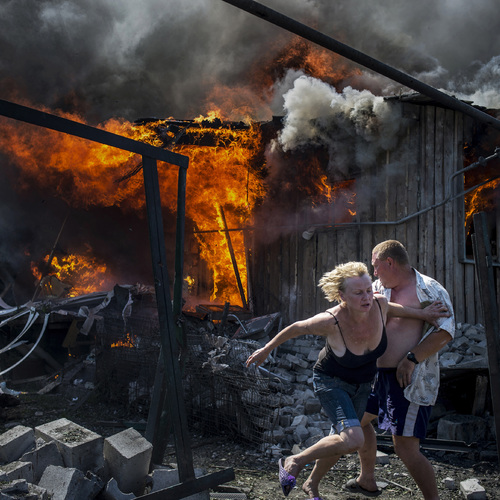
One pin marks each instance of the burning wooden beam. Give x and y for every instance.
(233, 258)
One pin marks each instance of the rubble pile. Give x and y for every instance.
(62, 460)
(467, 350)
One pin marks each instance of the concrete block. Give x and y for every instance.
(164, 478)
(285, 421)
(96, 483)
(312, 406)
(38, 492)
(449, 483)
(67, 483)
(15, 442)
(285, 375)
(80, 448)
(273, 450)
(18, 487)
(287, 400)
(466, 428)
(382, 458)
(300, 434)
(303, 394)
(315, 435)
(312, 355)
(45, 454)
(274, 436)
(472, 490)
(128, 456)
(450, 359)
(112, 492)
(18, 470)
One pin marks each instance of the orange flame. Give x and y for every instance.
(315, 61)
(80, 274)
(80, 172)
(221, 177)
(84, 174)
(129, 341)
(485, 197)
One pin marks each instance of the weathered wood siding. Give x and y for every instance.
(407, 180)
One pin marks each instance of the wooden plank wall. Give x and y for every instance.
(409, 179)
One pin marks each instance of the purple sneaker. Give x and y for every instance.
(287, 481)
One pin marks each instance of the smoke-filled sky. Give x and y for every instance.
(129, 59)
(179, 58)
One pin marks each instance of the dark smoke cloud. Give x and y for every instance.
(177, 58)
(164, 57)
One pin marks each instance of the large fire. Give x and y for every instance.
(79, 273)
(220, 179)
(483, 182)
(224, 181)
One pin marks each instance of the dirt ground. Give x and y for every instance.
(255, 474)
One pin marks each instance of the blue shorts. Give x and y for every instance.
(395, 413)
(344, 403)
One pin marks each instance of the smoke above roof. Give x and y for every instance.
(162, 58)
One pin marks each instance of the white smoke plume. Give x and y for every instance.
(354, 125)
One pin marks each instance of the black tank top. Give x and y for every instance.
(351, 367)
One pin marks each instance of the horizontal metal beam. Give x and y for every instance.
(432, 444)
(53, 122)
(329, 43)
(188, 488)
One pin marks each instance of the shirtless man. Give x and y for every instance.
(408, 373)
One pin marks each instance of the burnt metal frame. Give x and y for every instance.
(169, 343)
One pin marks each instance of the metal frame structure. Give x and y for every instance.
(171, 376)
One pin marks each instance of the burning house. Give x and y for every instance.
(271, 205)
(264, 197)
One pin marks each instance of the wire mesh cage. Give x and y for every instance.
(222, 395)
(129, 346)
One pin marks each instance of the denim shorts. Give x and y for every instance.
(343, 402)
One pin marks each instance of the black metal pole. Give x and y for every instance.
(168, 337)
(329, 43)
(53, 122)
(486, 280)
(159, 425)
(179, 249)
